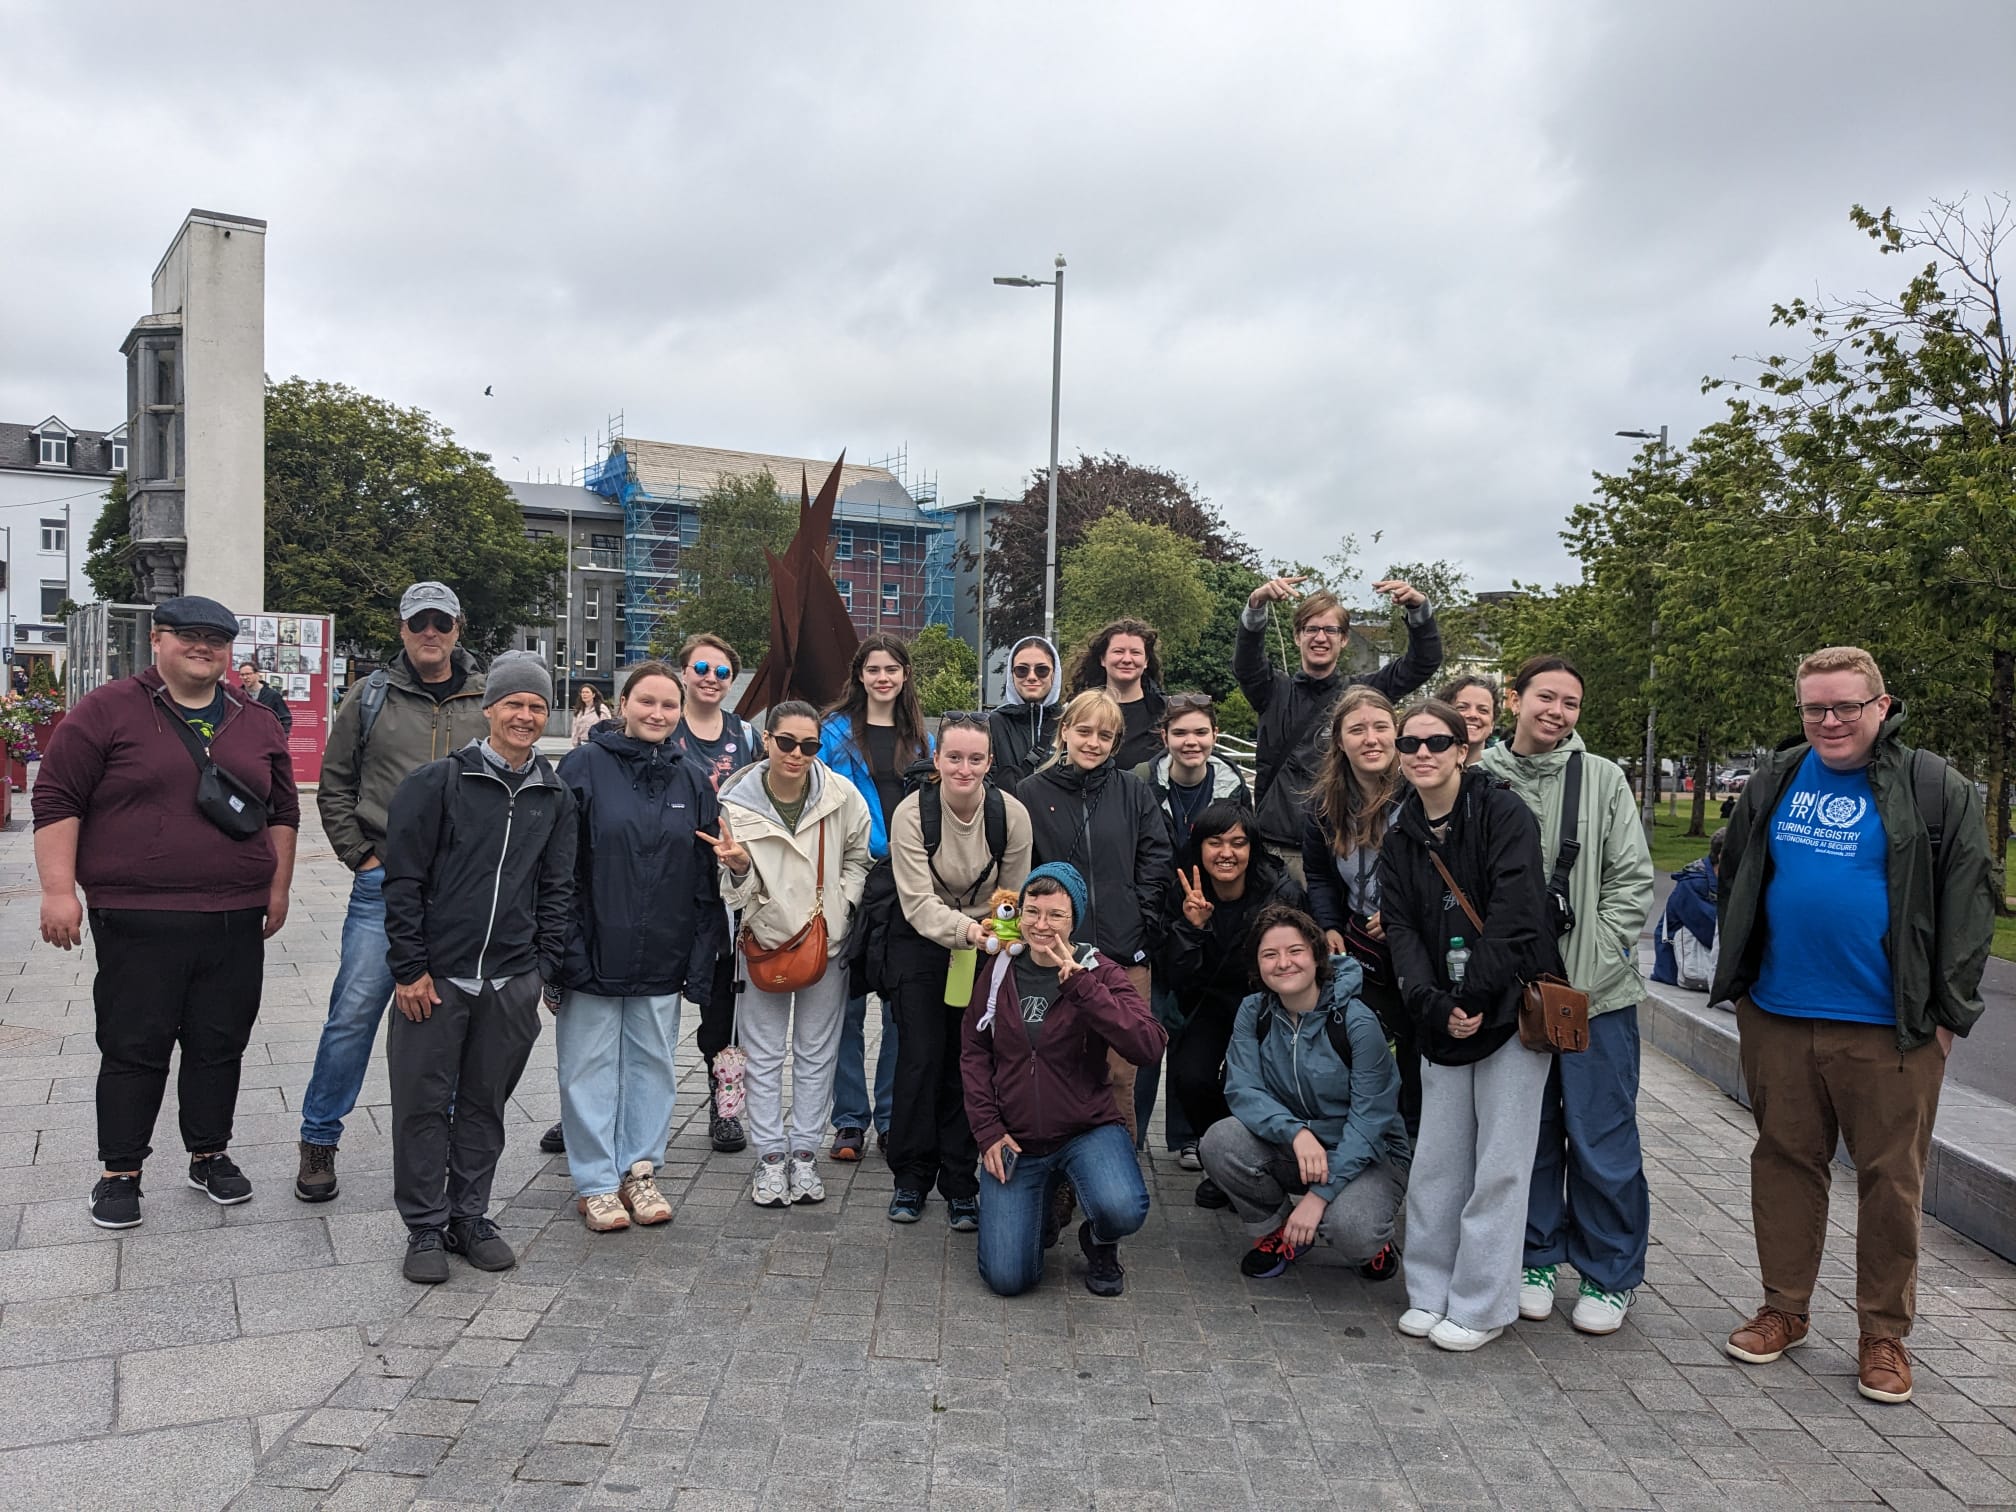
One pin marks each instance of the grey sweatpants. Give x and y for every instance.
(1261, 1178)
(807, 1032)
(1466, 1196)
(468, 1057)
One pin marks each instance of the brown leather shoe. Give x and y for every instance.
(1767, 1336)
(1885, 1374)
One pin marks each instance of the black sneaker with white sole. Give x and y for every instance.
(219, 1179)
(115, 1202)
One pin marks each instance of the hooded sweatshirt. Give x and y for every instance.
(776, 895)
(1024, 734)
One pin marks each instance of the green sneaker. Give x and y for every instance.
(1598, 1311)
(1536, 1293)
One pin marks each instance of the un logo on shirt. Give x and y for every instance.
(1842, 813)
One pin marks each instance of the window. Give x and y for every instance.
(892, 546)
(892, 598)
(591, 603)
(532, 643)
(561, 656)
(55, 451)
(689, 527)
(534, 533)
(843, 543)
(591, 655)
(118, 456)
(55, 536)
(846, 587)
(605, 551)
(53, 595)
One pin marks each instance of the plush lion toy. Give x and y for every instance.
(1005, 927)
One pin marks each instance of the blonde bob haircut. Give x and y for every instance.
(1095, 707)
(1841, 659)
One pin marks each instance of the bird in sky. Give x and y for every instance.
(486, 392)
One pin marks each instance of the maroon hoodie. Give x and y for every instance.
(117, 764)
(1062, 1088)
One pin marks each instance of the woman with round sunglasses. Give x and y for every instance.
(1476, 699)
(1462, 838)
(1023, 727)
(1590, 1204)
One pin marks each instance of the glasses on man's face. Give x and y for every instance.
(1033, 671)
(1322, 632)
(214, 639)
(431, 619)
(719, 671)
(791, 745)
(1407, 745)
(1846, 713)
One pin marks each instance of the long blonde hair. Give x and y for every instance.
(1352, 810)
(1095, 706)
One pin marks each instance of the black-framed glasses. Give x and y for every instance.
(1847, 713)
(1331, 632)
(791, 745)
(197, 636)
(1029, 671)
(720, 671)
(1407, 745)
(431, 619)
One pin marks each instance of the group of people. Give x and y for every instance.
(1052, 902)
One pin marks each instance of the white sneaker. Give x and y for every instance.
(1598, 1311)
(1418, 1322)
(1458, 1339)
(1536, 1293)
(771, 1186)
(1189, 1159)
(805, 1183)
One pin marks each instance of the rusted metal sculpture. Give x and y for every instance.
(812, 639)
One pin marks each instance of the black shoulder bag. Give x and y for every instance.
(221, 798)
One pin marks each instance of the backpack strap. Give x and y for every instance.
(370, 704)
(1571, 823)
(1337, 1028)
(1928, 790)
(931, 819)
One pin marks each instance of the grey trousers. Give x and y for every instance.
(1261, 1178)
(1466, 1199)
(467, 1057)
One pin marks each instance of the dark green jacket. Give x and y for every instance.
(1940, 927)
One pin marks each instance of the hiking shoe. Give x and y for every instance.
(847, 1144)
(1536, 1293)
(477, 1241)
(1383, 1266)
(1767, 1336)
(725, 1134)
(962, 1214)
(906, 1205)
(804, 1178)
(639, 1193)
(426, 1260)
(115, 1202)
(1598, 1311)
(603, 1213)
(771, 1185)
(1105, 1276)
(1884, 1373)
(1270, 1256)
(1418, 1322)
(1188, 1159)
(1211, 1195)
(218, 1178)
(553, 1141)
(316, 1180)
(1457, 1339)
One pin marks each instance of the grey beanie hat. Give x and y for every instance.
(517, 672)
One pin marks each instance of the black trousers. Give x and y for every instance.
(717, 1020)
(167, 977)
(1197, 1065)
(1399, 1026)
(930, 1140)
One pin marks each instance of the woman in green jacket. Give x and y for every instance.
(1589, 1204)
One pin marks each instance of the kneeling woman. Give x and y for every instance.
(1315, 1144)
(1033, 1056)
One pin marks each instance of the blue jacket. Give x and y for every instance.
(838, 750)
(648, 917)
(1292, 1080)
(1690, 906)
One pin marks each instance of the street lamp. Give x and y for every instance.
(1649, 798)
(1056, 389)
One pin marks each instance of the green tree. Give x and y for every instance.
(1207, 666)
(946, 670)
(106, 566)
(1127, 568)
(723, 587)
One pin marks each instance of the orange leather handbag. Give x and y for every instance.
(801, 960)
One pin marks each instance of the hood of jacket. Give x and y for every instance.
(746, 791)
(1225, 779)
(648, 765)
(1051, 696)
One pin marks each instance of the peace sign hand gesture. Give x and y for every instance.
(727, 849)
(1197, 904)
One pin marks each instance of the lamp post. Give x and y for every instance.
(1650, 796)
(1056, 391)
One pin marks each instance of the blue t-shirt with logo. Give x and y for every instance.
(1827, 906)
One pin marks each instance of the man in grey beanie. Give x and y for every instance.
(479, 881)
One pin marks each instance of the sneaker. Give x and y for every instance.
(316, 1180)
(604, 1213)
(847, 1144)
(639, 1193)
(805, 1183)
(1536, 1293)
(553, 1141)
(1598, 1311)
(477, 1241)
(1418, 1322)
(906, 1205)
(1188, 1158)
(771, 1185)
(1457, 1339)
(1767, 1336)
(1105, 1276)
(1211, 1195)
(1383, 1266)
(426, 1259)
(1272, 1255)
(115, 1202)
(1884, 1373)
(725, 1134)
(219, 1179)
(962, 1214)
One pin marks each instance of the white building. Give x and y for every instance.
(52, 486)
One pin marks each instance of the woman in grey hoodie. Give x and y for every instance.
(1023, 729)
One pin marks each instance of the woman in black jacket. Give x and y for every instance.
(648, 924)
(1022, 730)
(1480, 1091)
(1105, 822)
(1223, 879)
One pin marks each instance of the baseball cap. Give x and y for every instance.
(429, 595)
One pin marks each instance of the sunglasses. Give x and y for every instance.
(1029, 670)
(720, 671)
(791, 745)
(431, 619)
(1407, 745)
(1188, 703)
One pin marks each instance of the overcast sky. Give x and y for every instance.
(1346, 267)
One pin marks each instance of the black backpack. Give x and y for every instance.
(881, 910)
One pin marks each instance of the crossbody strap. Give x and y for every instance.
(1457, 892)
(1571, 822)
(819, 887)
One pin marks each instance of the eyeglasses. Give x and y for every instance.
(431, 619)
(214, 639)
(791, 745)
(1328, 632)
(1847, 713)
(720, 671)
(1032, 671)
(1407, 745)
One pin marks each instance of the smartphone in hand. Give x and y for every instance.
(1009, 1155)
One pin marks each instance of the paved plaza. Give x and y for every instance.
(270, 1356)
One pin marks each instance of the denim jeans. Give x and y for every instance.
(1099, 1163)
(357, 1002)
(850, 1074)
(616, 1083)
(1589, 1203)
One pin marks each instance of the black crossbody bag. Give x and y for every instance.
(221, 798)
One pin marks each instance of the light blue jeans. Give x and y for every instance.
(616, 1083)
(357, 1004)
(850, 1074)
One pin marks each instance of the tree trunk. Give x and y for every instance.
(1703, 763)
(2001, 754)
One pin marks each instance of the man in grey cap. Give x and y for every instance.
(479, 885)
(427, 702)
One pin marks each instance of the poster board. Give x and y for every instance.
(294, 655)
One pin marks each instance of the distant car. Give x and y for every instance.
(1735, 781)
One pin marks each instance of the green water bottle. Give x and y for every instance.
(959, 977)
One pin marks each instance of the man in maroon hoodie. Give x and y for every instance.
(180, 909)
(1039, 1092)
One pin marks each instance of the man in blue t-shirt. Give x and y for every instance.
(1853, 952)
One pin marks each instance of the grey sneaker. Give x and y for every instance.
(316, 1181)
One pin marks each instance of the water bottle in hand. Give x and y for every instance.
(1458, 961)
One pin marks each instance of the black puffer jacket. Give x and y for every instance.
(648, 918)
(1108, 825)
(1211, 969)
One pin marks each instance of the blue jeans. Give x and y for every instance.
(616, 1083)
(1099, 1163)
(1589, 1204)
(850, 1073)
(357, 1003)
